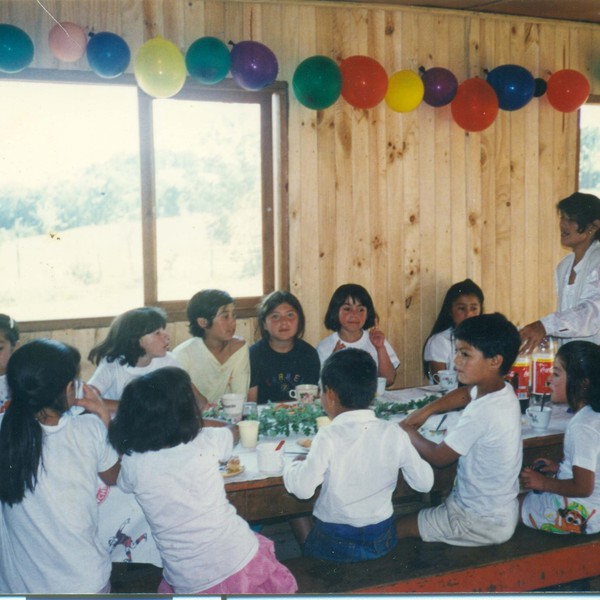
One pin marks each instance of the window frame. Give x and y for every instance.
(273, 102)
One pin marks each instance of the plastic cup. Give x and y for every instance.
(232, 405)
(248, 433)
(539, 419)
(269, 460)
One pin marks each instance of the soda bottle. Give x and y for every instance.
(519, 377)
(542, 359)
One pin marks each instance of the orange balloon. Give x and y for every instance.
(67, 41)
(475, 105)
(567, 90)
(364, 81)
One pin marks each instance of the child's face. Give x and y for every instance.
(156, 343)
(352, 315)
(558, 383)
(465, 306)
(223, 325)
(472, 366)
(282, 323)
(6, 349)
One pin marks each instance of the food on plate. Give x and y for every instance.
(232, 467)
(304, 442)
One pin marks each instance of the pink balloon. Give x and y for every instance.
(67, 41)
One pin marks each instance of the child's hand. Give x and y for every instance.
(532, 479)
(300, 457)
(339, 346)
(545, 465)
(376, 336)
(92, 402)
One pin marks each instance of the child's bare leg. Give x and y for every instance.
(301, 527)
(407, 526)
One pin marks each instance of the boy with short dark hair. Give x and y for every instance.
(356, 459)
(482, 507)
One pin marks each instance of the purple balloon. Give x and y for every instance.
(253, 65)
(440, 86)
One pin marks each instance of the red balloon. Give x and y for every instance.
(364, 81)
(475, 105)
(567, 90)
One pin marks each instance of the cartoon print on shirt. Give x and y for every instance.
(573, 518)
(126, 541)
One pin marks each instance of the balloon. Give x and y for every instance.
(440, 86)
(405, 91)
(475, 106)
(253, 65)
(514, 85)
(567, 90)
(67, 41)
(16, 49)
(364, 81)
(540, 87)
(317, 82)
(108, 54)
(208, 60)
(159, 68)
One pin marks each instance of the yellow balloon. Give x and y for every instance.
(159, 68)
(405, 91)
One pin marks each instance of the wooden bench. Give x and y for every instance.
(530, 560)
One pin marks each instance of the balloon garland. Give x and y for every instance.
(160, 70)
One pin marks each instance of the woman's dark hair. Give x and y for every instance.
(123, 340)
(356, 293)
(493, 335)
(157, 411)
(444, 321)
(37, 374)
(582, 208)
(271, 302)
(205, 305)
(581, 362)
(352, 375)
(9, 328)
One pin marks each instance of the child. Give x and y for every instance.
(9, 342)
(352, 317)
(137, 343)
(216, 360)
(570, 502)
(171, 464)
(463, 300)
(356, 460)
(281, 360)
(50, 461)
(482, 507)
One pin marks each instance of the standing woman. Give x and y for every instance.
(577, 277)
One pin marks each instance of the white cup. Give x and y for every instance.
(323, 421)
(232, 405)
(447, 379)
(539, 419)
(248, 433)
(269, 460)
(305, 393)
(381, 384)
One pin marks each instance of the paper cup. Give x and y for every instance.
(269, 461)
(232, 405)
(539, 419)
(248, 433)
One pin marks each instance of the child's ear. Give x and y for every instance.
(496, 361)
(202, 322)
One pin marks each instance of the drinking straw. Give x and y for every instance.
(544, 396)
(281, 443)
(441, 421)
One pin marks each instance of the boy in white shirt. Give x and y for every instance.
(482, 507)
(356, 460)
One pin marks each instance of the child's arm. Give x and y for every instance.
(302, 478)
(437, 455)
(453, 400)
(433, 367)
(581, 486)
(201, 400)
(253, 394)
(109, 477)
(386, 368)
(92, 402)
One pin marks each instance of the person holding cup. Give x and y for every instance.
(281, 360)
(569, 500)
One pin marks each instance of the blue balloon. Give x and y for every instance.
(514, 85)
(253, 65)
(108, 54)
(16, 49)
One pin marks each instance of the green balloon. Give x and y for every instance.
(16, 49)
(317, 82)
(207, 60)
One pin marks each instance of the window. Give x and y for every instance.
(589, 147)
(111, 199)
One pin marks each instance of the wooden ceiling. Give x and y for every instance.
(568, 10)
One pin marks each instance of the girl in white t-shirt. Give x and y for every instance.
(462, 300)
(9, 341)
(352, 317)
(50, 461)
(171, 464)
(569, 501)
(137, 343)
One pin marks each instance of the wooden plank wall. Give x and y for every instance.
(404, 204)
